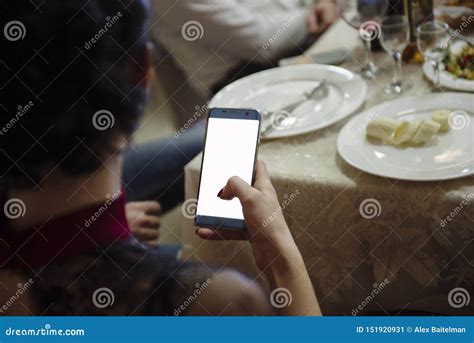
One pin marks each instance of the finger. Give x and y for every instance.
(236, 187)
(328, 16)
(321, 21)
(321, 29)
(222, 235)
(146, 234)
(326, 21)
(312, 22)
(154, 208)
(150, 207)
(144, 205)
(148, 221)
(153, 242)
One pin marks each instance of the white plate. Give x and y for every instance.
(448, 80)
(449, 155)
(275, 88)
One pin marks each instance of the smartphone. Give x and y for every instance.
(230, 149)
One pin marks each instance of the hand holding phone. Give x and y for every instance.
(266, 226)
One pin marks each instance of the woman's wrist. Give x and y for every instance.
(283, 259)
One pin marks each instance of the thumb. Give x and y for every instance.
(236, 187)
(312, 21)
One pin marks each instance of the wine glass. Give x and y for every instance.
(394, 38)
(365, 16)
(433, 42)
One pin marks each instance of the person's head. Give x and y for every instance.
(73, 80)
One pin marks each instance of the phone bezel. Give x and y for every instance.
(230, 113)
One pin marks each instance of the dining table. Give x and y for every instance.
(371, 245)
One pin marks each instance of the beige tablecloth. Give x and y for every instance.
(408, 249)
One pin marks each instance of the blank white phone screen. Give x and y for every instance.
(230, 150)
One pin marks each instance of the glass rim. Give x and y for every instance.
(440, 27)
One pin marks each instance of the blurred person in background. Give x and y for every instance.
(217, 41)
(153, 179)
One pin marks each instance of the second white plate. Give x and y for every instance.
(449, 155)
(448, 80)
(275, 88)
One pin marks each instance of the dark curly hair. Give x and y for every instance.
(67, 83)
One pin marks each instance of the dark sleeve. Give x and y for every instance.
(172, 294)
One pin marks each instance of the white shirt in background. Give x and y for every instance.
(210, 38)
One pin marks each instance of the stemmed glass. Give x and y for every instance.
(394, 38)
(433, 42)
(365, 16)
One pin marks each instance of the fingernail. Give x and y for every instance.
(220, 192)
